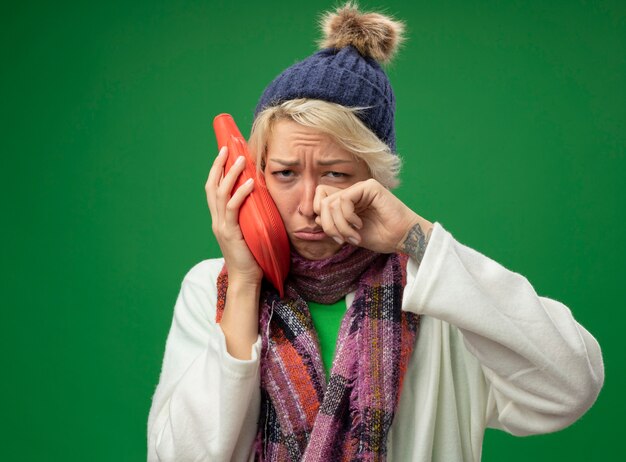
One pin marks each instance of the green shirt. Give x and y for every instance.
(327, 320)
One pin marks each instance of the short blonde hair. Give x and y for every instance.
(338, 121)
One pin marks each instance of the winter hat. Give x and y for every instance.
(346, 70)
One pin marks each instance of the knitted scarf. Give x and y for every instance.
(302, 418)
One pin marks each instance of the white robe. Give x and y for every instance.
(490, 352)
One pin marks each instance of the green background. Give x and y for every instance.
(511, 119)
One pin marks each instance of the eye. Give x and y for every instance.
(339, 175)
(283, 173)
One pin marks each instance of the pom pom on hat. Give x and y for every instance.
(347, 70)
(372, 34)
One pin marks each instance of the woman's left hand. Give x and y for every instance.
(366, 214)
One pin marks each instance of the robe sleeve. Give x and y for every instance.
(543, 370)
(206, 404)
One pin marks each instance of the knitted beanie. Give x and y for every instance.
(346, 70)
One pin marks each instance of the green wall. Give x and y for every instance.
(511, 118)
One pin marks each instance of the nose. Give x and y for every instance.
(305, 206)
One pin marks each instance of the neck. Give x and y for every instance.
(330, 279)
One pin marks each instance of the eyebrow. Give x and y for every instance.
(295, 163)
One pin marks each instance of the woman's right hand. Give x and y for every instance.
(240, 320)
(224, 206)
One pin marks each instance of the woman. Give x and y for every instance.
(393, 341)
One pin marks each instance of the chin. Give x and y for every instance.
(317, 251)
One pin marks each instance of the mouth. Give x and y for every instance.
(310, 234)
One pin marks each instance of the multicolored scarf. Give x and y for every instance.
(302, 418)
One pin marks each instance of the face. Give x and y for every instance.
(298, 159)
